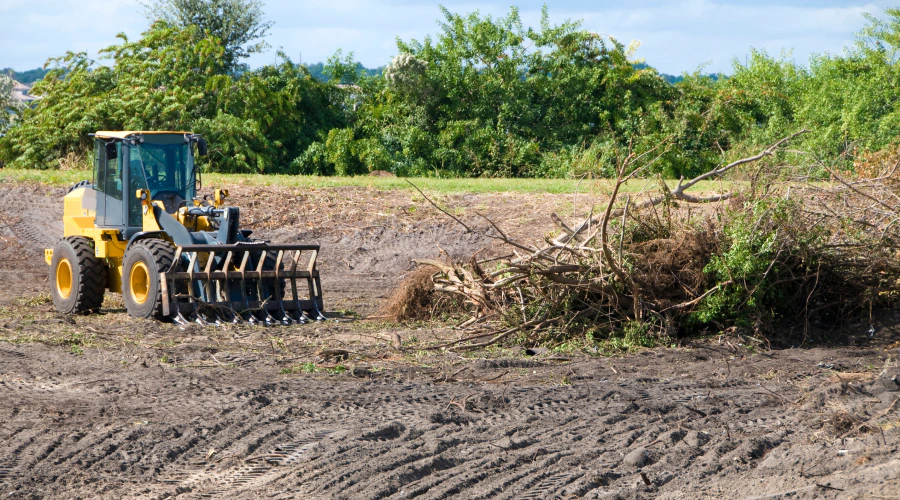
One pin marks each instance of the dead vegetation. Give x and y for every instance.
(669, 263)
(412, 299)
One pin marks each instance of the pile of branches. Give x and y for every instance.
(670, 263)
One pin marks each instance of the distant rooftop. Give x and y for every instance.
(20, 93)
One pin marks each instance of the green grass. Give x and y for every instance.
(428, 184)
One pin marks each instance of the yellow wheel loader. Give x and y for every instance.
(139, 229)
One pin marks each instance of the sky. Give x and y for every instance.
(676, 36)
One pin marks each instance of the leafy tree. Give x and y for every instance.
(239, 24)
(8, 105)
(26, 77)
(489, 97)
(168, 80)
(317, 70)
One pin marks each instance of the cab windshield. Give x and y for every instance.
(163, 164)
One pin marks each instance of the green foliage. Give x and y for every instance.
(485, 97)
(26, 77)
(238, 24)
(489, 97)
(337, 370)
(267, 118)
(170, 80)
(764, 246)
(301, 368)
(9, 107)
(317, 70)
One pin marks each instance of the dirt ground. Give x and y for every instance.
(106, 406)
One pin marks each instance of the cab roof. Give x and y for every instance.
(122, 134)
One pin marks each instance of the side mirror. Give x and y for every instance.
(111, 151)
(202, 149)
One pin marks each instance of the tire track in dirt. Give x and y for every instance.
(203, 437)
(101, 428)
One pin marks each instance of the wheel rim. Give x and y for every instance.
(64, 278)
(140, 282)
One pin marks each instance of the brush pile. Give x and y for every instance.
(762, 258)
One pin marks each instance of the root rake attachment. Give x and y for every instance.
(243, 282)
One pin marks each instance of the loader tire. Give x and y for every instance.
(141, 288)
(78, 278)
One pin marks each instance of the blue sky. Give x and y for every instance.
(675, 36)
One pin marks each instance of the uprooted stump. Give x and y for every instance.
(413, 298)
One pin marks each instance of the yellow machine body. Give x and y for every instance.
(79, 220)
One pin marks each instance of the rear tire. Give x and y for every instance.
(78, 278)
(141, 288)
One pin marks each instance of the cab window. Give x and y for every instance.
(107, 174)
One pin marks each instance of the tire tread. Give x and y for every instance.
(92, 277)
(163, 254)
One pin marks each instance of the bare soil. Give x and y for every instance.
(107, 406)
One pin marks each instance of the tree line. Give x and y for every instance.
(485, 96)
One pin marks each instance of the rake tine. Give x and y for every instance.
(298, 318)
(180, 319)
(301, 316)
(313, 285)
(269, 319)
(219, 318)
(192, 265)
(253, 320)
(208, 283)
(286, 320)
(236, 318)
(295, 317)
(206, 317)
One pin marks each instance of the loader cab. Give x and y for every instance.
(125, 162)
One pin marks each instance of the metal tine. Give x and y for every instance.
(180, 319)
(208, 282)
(286, 320)
(301, 316)
(269, 319)
(253, 319)
(209, 293)
(236, 318)
(314, 289)
(176, 316)
(191, 264)
(202, 316)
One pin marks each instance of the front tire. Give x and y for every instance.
(141, 288)
(78, 278)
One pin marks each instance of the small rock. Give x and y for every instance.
(890, 379)
(639, 457)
